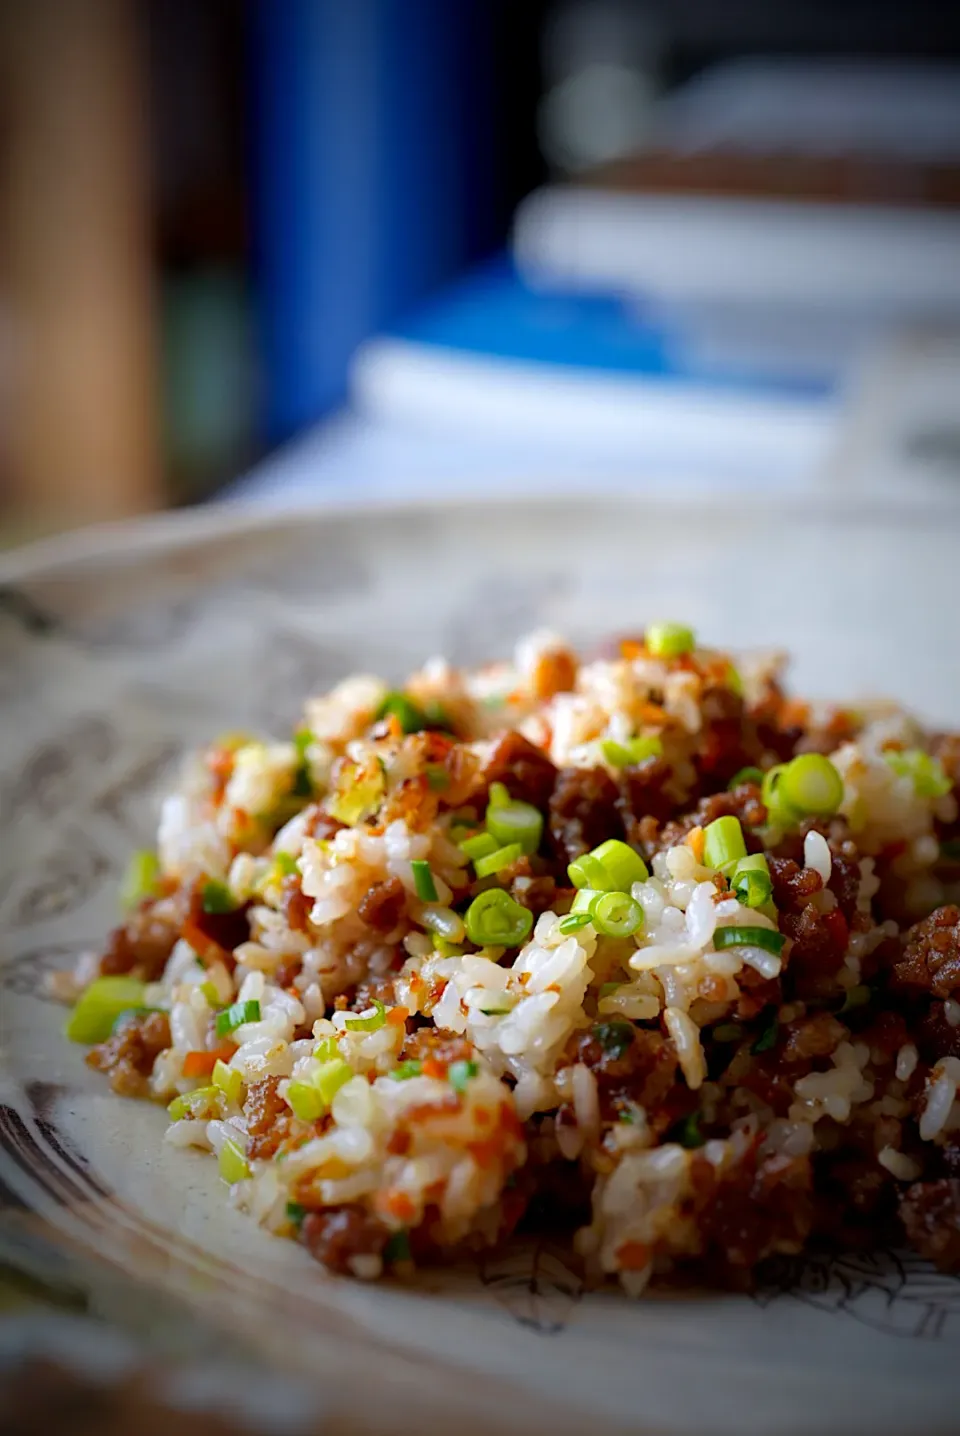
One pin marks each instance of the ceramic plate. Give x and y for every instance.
(120, 650)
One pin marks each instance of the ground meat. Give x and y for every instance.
(382, 988)
(335, 1237)
(288, 970)
(318, 824)
(633, 1066)
(526, 771)
(934, 1036)
(814, 1036)
(725, 745)
(930, 1213)
(931, 954)
(642, 796)
(145, 941)
(381, 906)
(743, 803)
(295, 904)
(129, 1053)
(268, 1117)
(819, 947)
(583, 811)
(793, 885)
(442, 1046)
(845, 883)
(538, 894)
(753, 1211)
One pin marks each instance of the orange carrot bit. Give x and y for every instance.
(633, 1256)
(199, 1064)
(696, 839)
(400, 1205)
(631, 648)
(397, 1016)
(432, 1068)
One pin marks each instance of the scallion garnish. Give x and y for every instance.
(631, 751)
(498, 859)
(216, 897)
(494, 919)
(515, 822)
(856, 997)
(767, 1038)
(140, 879)
(499, 796)
(437, 777)
(723, 842)
(669, 640)
(614, 1037)
(573, 922)
(745, 775)
(481, 845)
(423, 883)
(326, 1049)
(727, 1032)
(925, 772)
(306, 1101)
(197, 1104)
(616, 915)
(99, 1006)
(373, 1023)
(405, 1070)
(302, 782)
(228, 1080)
(295, 1213)
(751, 880)
(460, 1073)
(611, 867)
(234, 1166)
(764, 937)
(397, 1248)
(810, 784)
(688, 1132)
(236, 1015)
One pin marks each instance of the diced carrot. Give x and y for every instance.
(432, 1068)
(199, 1064)
(400, 1205)
(630, 648)
(696, 839)
(633, 1256)
(397, 1016)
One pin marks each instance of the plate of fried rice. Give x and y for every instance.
(452, 951)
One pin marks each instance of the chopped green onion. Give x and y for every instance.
(460, 1073)
(397, 705)
(326, 1049)
(423, 883)
(331, 1077)
(196, 1104)
(494, 919)
(368, 1024)
(723, 842)
(669, 640)
(857, 996)
(234, 1166)
(443, 922)
(573, 922)
(811, 784)
(516, 823)
(405, 1070)
(229, 1081)
(438, 778)
(359, 799)
(286, 864)
(772, 797)
(767, 1039)
(688, 1133)
(140, 879)
(584, 902)
(617, 915)
(295, 1213)
(307, 1103)
(764, 937)
(397, 1248)
(481, 845)
(499, 796)
(614, 1037)
(611, 867)
(240, 1012)
(501, 858)
(211, 993)
(926, 773)
(100, 1005)
(495, 1011)
(745, 775)
(751, 880)
(727, 1032)
(734, 681)
(443, 948)
(216, 897)
(302, 782)
(630, 752)
(606, 988)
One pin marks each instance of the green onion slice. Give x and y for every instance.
(669, 640)
(197, 1104)
(767, 1038)
(228, 1080)
(140, 879)
(405, 1070)
(373, 1023)
(617, 915)
(216, 897)
(438, 779)
(397, 705)
(460, 1073)
(397, 1248)
(688, 1132)
(306, 1101)
(331, 1077)
(234, 1166)
(494, 919)
(926, 773)
(615, 1037)
(751, 880)
(516, 822)
(611, 867)
(723, 842)
(481, 845)
(236, 1015)
(630, 752)
(857, 996)
(98, 1008)
(573, 922)
(423, 883)
(811, 784)
(499, 796)
(326, 1049)
(745, 775)
(727, 1032)
(295, 1213)
(500, 858)
(764, 937)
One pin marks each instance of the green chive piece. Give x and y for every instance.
(764, 937)
(926, 773)
(751, 880)
(614, 1037)
(460, 1073)
(745, 775)
(373, 1023)
(688, 1132)
(810, 784)
(286, 864)
(326, 1049)
(500, 858)
(499, 796)
(631, 752)
(302, 782)
(99, 1006)
(295, 1213)
(438, 778)
(950, 850)
(233, 1164)
(723, 842)
(494, 919)
(515, 823)
(611, 867)
(397, 1248)
(573, 922)
(306, 1101)
(198, 1104)
(236, 1015)
(397, 705)
(617, 915)
(767, 1039)
(585, 901)
(423, 883)
(606, 988)
(669, 640)
(228, 1080)
(216, 897)
(405, 1070)
(140, 879)
(331, 1077)
(481, 845)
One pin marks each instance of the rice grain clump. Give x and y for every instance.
(639, 930)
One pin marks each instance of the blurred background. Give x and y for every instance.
(317, 249)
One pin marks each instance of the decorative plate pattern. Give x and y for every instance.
(119, 651)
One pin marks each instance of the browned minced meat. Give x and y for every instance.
(379, 987)
(443, 1047)
(289, 969)
(934, 1036)
(334, 1237)
(295, 904)
(129, 1054)
(743, 803)
(320, 825)
(641, 797)
(816, 1035)
(931, 954)
(583, 811)
(643, 1073)
(930, 1213)
(145, 941)
(819, 939)
(726, 743)
(526, 771)
(381, 906)
(753, 1211)
(267, 1117)
(538, 894)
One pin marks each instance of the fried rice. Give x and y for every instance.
(632, 945)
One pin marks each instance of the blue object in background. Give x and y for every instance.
(373, 177)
